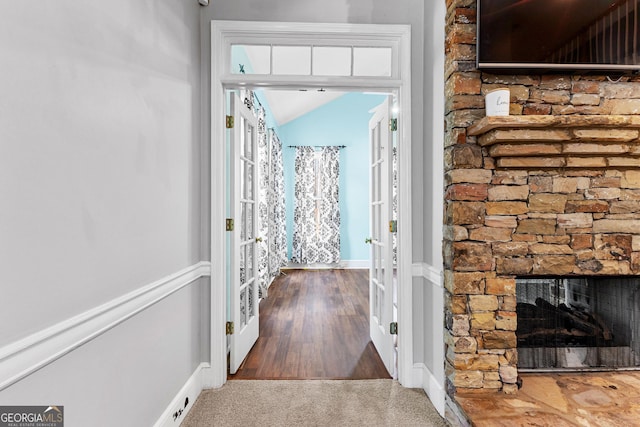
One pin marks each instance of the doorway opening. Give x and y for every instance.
(390, 40)
(298, 316)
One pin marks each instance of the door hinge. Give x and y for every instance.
(393, 328)
(393, 125)
(228, 122)
(229, 328)
(229, 224)
(393, 226)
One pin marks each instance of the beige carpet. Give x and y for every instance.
(313, 403)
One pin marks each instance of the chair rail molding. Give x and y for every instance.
(428, 272)
(27, 355)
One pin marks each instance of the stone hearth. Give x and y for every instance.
(561, 399)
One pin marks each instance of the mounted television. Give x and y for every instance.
(561, 35)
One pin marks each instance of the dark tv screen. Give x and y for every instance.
(589, 35)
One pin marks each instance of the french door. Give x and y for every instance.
(244, 209)
(381, 240)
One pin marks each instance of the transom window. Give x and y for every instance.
(307, 60)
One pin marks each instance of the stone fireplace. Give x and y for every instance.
(550, 192)
(538, 196)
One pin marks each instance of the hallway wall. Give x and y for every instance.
(433, 191)
(100, 189)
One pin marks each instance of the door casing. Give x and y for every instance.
(225, 33)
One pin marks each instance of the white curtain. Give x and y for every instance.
(316, 234)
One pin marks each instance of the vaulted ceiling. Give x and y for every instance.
(287, 105)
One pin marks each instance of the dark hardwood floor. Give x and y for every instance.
(315, 325)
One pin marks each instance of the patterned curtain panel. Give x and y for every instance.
(263, 201)
(272, 249)
(328, 177)
(316, 234)
(395, 204)
(304, 213)
(276, 206)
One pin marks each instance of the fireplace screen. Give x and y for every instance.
(578, 323)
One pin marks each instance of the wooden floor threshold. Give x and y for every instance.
(314, 324)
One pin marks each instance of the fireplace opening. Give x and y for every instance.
(578, 323)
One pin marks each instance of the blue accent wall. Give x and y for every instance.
(344, 121)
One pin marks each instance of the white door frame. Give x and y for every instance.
(225, 33)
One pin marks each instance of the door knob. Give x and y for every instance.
(258, 239)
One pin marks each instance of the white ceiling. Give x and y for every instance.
(287, 105)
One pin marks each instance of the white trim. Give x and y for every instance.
(24, 357)
(428, 272)
(417, 375)
(434, 390)
(420, 269)
(355, 263)
(217, 168)
(342, 265)
(223, 34)
(285, 82)
(190, 390)
(405, 232)
(423, 378)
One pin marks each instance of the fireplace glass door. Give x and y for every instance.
(578, 323)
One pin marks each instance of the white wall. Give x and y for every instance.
(434, 101)
(100, 190)
(127, 376)
(433, 295)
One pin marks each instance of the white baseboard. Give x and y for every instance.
(182, 403)
(430, 385)
(416, 378)
(344, 264)
(25, 356)
(422, 376)
(356, 263)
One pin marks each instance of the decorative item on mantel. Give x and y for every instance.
(497, 102)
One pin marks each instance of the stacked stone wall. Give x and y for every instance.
(551, 211)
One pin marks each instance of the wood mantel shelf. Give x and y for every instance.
(560, 141)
